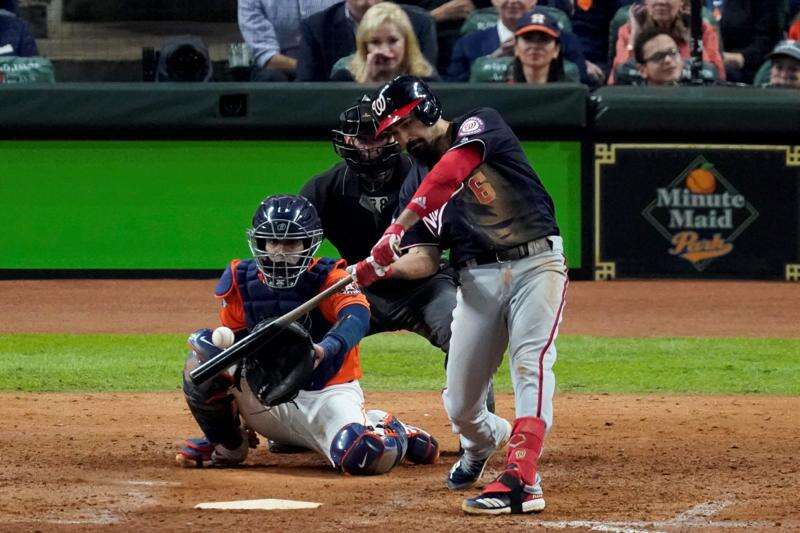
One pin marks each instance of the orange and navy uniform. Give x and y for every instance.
(246, 300)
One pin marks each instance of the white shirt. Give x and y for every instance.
(503, 32)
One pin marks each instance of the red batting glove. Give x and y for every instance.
(387, 250)
(368, 272)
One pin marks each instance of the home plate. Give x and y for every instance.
(268, 504)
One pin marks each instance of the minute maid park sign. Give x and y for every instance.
(700, 213)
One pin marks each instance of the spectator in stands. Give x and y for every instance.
(271, 29)
(330, 35)
(499, 41)
(537, 50)
(669, 16)
(785, 71)
(658, 57)
(449, 15)
(749, 30)
(591, 23)
(385, 47)
(15, 38)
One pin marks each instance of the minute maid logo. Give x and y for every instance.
(700, 213)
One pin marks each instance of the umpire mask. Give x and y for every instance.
(372, 160)
(285, 235)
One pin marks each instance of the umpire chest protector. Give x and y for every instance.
(261, 301)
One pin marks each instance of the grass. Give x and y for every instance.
(46, 362)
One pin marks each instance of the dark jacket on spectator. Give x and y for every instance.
(329, 35)
(590, 24)
(11, 6)
(752, 28)
(15, 39)
(481, 43)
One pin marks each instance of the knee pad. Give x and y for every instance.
(358, 450)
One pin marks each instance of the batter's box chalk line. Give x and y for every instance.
(698, 516)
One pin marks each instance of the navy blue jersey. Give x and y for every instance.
(500, 205)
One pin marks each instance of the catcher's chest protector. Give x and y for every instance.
(261, 301)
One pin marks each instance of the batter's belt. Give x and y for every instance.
(527, 249)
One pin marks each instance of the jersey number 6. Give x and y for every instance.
(481, 188)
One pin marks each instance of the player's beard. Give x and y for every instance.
(428, 153)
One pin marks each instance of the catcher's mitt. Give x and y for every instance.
(278, 371)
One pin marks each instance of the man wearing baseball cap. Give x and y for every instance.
(785, 71)
(537, 49)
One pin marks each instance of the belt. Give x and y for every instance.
(527, 249)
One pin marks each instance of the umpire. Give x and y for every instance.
(356, 200)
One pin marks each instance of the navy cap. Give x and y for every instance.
(538, 20)
(786, 48)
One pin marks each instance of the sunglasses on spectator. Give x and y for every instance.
(659, 57)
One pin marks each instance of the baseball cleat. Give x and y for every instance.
(507, 495)
(468, 470)
(201, 453)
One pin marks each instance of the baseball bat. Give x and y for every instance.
(260, 337)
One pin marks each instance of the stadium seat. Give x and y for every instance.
(341, 64)
(488, 69)
(621, 17)
(26, 70)
(480, 19)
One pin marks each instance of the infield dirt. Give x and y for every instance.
(79, 462)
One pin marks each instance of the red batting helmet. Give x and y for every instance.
(402, 97)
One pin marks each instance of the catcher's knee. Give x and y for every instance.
(358, 450)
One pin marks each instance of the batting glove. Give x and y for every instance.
(387, 250)
(367, 272)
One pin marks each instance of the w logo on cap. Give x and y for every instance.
(379, 105)
(537, 18)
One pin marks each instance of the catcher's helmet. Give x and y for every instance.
(355, 142)
(400, 98)
(284, 219)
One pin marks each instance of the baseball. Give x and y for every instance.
(222, 337)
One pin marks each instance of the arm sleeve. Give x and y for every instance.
(623, 54)
(421, 233)
(27, 45)
(458, 70)
(711, 51)
(573, 52)
(766, 32)
(350, 328)
(443, 179)
(257, 31)
(309, 62)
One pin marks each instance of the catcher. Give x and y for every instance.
(303, 391)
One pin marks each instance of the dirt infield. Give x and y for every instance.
(78, 462)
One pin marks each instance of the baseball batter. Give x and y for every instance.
(327, 415)
(356, 200)
(483, 201)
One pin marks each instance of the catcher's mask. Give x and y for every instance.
(372, 160)
(280, 369)
(286, 234)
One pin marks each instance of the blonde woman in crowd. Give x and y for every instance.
(385, 47)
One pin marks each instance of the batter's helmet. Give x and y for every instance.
(355, 142)
(402, 97)
(283, 218)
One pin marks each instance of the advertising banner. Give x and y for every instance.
(697, 211)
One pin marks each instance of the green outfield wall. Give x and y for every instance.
(181, 205)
